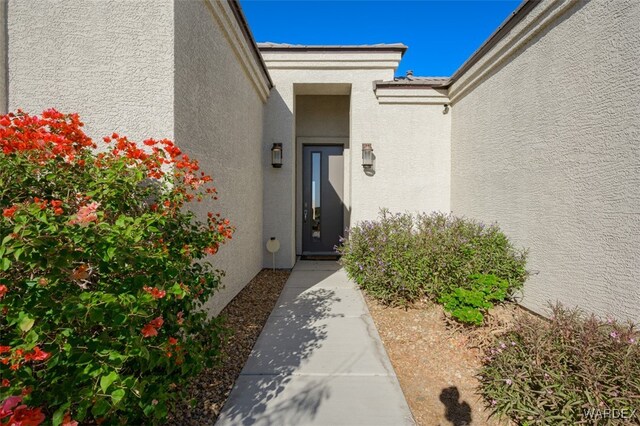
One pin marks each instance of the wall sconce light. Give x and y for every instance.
(276, 155)
(367, 156)
(446, 109)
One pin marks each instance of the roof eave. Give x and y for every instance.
(242, 21)
(516, 16)
(264, 47)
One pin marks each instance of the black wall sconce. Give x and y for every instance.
(367, 156)
(276, 155)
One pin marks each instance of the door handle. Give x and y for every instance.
(304, 215)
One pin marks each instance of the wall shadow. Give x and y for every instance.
(268, 391)
(457, 412)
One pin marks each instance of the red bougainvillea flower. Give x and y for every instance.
(173, 341)
(211, 250)
(37, 355)
(155, 292)
(6, 383)
(3, 291)
(67, 421)
(41, 138)
(9, 212)
(157, 322)
(86, 214)
(151, 329)
(148, 331)
(4, 349)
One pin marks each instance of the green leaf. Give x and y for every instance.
(58, 416)
(117, 395)
(25, 323)
(105, 381)
(121, 221)
(111, 252)
(6, 239)
(18, 253)
(6, 264)
(100, 408)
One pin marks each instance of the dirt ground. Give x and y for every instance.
(437, 361)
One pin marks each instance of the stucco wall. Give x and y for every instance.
(218, 119)
(110, 61)
(3, 56)
(411, 145)
(546, 143)
(322, 116)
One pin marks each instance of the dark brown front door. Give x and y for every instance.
(322, 206)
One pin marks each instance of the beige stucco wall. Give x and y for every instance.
(3, 56)
(322, 116)
(413, 152)
(404, 137)
(546, 143)
(218, 120)
(110, 61)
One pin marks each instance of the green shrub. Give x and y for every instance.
(467, 306)
(400, 257)
(99, 292)
(567, 371)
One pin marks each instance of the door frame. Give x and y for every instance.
(346, 191)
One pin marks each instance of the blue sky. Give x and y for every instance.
(441, 35)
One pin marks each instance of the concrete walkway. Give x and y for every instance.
(318, 361)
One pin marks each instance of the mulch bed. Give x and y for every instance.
(245, 317)
(437, 361)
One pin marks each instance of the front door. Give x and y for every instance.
(322, 207)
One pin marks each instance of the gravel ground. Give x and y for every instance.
(437, 361)
(246, 315)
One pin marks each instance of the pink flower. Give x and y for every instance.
(86, 214)
(8, 405)
(508, 382)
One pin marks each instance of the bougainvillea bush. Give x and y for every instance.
(400, 258)
(572, 369)
(102, 274)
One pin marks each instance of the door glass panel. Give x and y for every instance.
(316, 164)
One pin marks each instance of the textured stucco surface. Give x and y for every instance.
(322, 116)
(3, 56)
(411, 144)
(218, 119)
(546, 144)
(110, 61)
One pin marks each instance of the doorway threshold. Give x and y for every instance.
(320, 256)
